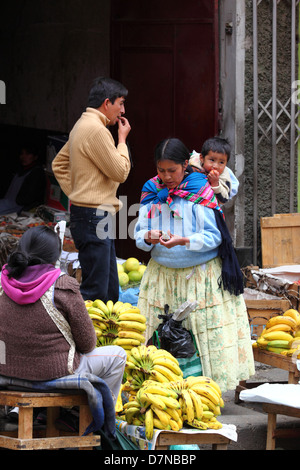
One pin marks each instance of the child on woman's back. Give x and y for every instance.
(212, 161)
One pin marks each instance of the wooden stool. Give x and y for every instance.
(25, 438)
(273, 410)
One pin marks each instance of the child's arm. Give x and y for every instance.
(221, 185)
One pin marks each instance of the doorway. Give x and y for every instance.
(167, 55)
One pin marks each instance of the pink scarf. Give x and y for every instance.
(34, 282)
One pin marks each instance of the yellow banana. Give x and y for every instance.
(88, 303)
(164, 353)
(211, 406)
(158, 376)
(293, 314)
(275, 350)
(189, 405)
(166, 372)
(167, 362)
(158, 389)
(198, 407)
(132, 334)
(101, 305)
(155, 400)
(206, 380)
(158, 425)
(170, 402)
(131, 404)
(214, 424)
(281, 319)
(99, 324)
(174, 425)
(208, 415)
(162, 415)
(207, 391)
(109, 305)
(117, 306)
(130, 413)
(196, 423)
(261, 342)
(98, 332)
(132, 325)
(126, 306)
(173, 413)
(278, 327)
(96, 313)
(135, 353)
(126, 342)
(149, 424)
(127, 316)
(282, 335)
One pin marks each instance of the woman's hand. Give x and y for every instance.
(152, 237)
(174, 240)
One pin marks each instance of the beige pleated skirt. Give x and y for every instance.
(219, 323)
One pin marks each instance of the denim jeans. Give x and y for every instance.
(96, 253)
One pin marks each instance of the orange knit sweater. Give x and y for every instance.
(89, 168)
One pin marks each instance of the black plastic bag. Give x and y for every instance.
(174, 337)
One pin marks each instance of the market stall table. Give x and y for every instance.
(163, 439)
(276, 399)
(272, 432)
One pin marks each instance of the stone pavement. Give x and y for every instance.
(251, 421)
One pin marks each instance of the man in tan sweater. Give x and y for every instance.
(89, 169)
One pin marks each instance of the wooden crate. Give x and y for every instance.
(260, 311)
(280, 236)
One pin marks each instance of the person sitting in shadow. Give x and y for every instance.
(28, 186)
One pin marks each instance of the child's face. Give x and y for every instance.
(214, 161)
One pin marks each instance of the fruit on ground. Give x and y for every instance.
(131, 264)
(123, 279)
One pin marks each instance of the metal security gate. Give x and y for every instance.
(275, 108)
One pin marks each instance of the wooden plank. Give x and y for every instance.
(279, 240)
(281, 410)
(166, 439)
(49, 443)
(277, 360)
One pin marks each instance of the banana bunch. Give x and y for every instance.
(194, 401)
(154, 406)
(155, 364)
(201, 401)
(280, 333)
(117, 323)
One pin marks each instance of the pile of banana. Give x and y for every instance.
(119, 323)
(166, 400)
(148, 362)
(281, 334)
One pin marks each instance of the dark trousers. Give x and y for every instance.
(96, 253)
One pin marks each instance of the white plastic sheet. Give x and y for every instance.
(280, 394)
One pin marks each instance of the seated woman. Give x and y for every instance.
(28, 186)
(44, 322)
(192, 258)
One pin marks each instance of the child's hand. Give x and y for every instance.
(213, 178)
